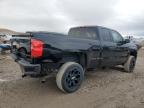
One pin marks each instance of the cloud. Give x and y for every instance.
(125, 16)
(133, 26)
(32, 15)
(88, 11)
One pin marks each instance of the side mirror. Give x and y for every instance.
(127, 41)
(123, 42)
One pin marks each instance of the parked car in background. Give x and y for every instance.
(6, 38)
(70, 56)
(5, 47)
(137, 40)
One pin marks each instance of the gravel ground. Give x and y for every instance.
(109, 88)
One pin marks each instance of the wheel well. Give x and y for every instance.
(75, 57)
(83, 60)
(134, 53)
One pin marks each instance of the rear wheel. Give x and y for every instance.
(130, 64)
(70, 77)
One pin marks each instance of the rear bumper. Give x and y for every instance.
(29, 69)
(26, 67)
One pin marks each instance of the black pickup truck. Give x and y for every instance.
(40, 54)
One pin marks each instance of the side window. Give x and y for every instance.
(90, 34)
(84, 33)
(106, 35)
(116, 37)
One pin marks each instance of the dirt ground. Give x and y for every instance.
(109, 88)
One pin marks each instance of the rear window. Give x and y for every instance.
(84, 33)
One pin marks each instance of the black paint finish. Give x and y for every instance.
(91, 52)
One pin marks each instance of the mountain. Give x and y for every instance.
(8, 32)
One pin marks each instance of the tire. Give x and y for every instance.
(130, 64)
(70, 77)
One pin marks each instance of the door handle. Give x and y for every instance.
(96, 48)
(91, 44)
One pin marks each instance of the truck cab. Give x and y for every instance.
(109, 48)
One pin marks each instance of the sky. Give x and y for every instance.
(125, 16)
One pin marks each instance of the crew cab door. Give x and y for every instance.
(121, 52)
(88, 38)
(108, 48)
(94, 50)
(94, 54)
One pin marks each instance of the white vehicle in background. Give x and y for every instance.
(137, 40)
(5, 46)
(6, 38)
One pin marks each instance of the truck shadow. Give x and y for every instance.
(118, 68)
(33, 88)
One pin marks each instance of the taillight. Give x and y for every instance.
(36, 48)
